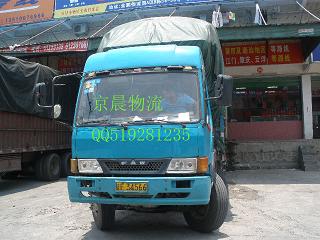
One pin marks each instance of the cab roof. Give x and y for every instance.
(145, 56)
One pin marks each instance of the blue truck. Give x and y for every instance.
(147, 120)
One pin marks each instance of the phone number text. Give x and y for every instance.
(140, 135)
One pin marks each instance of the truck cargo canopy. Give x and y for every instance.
(181, 31)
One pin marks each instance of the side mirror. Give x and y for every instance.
(56, 111)
(223, 89)
(227, 91)
(41, 94)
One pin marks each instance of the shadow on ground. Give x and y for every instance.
(135, 225)
(272, 176)
(20, 184)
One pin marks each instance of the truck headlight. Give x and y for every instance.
(182, 165)
(89, 166)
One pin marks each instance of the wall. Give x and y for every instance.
(278, 130)
(268, 154)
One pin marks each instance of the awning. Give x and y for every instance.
(308, 33)
(269, 32)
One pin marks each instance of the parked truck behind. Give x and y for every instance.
(31, 140)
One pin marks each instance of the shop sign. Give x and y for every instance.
(306, 31)
(285, 52)
(246, 53)
(68, 8)
(25, 11)
(65, 46)
(262, 53)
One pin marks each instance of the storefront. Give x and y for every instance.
(276, 104)
(265, 109)
(268, 100)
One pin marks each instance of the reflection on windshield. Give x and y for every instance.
(158, 96)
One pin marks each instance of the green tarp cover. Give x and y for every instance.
(181, 31)
(18, 79)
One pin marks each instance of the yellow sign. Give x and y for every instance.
(131, 186)
(84, 10)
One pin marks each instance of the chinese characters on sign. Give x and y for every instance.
(65, 46)
(128, 5)
(133, 103)
(262, 53)
(281, 52)
(25, 11)
(245, 54)
(67, 8)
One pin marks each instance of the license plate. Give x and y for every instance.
(131, 186)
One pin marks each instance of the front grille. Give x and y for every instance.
(147, 166)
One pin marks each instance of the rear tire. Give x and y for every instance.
(39, 168)
(208, 218)
(103, 215)
(65, 164)
(51, 167)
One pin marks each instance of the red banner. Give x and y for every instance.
(262, 53)
(65, 46)
(246, 53)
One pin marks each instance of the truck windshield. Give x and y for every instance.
(138, 97)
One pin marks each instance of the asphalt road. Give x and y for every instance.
(282, 204)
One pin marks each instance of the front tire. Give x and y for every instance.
(208, 218)
(103, 215)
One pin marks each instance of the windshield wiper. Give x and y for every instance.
(106, 122)
(157, 120)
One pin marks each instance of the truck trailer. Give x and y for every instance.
(31, 141)
(147, 119)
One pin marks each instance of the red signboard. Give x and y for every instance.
(262, 53)
(65, 46)
(25, 11)
(285, 51)
(246, 53)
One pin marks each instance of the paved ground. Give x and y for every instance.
(264, 205)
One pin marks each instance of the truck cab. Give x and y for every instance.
(143, 136)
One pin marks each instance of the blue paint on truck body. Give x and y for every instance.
(200, 143)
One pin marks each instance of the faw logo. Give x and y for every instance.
(133, 162)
